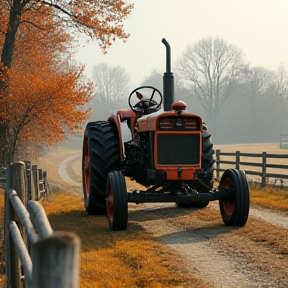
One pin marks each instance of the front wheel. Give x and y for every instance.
(235, 211)
(116, 201)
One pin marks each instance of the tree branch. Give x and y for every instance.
(33, 24)
(58, 8)
(72, 16)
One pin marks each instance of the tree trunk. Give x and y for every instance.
(6, 63)
(5, 151)
(10, 36)
(5, 158)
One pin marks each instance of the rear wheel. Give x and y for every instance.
(100, 156)
(235, 212)
(207, 159)
(117, 205)
(207, 165)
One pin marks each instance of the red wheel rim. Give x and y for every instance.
(86, 168)
(228, 207)
(109, 202)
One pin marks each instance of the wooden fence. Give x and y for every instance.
(35, 255)
(38, 186)
(266, 171)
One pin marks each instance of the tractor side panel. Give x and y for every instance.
(116, 121)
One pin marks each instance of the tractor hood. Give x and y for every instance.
(151, 122)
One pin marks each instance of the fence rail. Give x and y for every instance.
(263, 169)
(35, 255)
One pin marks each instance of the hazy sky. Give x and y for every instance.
(258, 27)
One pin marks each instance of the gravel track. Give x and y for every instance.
(222, 256)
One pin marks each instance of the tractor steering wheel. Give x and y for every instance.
(145, 105)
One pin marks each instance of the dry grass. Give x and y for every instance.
(116, 259)
(130, 258)
(270, 197)
(123, 259)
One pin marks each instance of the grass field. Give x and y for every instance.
(130, 258)
(123, 259)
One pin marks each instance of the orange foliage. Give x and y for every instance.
(43, 93)
(100, 20)
(4, 17)
(47, 91)
(48, 101)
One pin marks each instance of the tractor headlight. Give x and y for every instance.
(166, 123)
(190, 124)
(179, 123)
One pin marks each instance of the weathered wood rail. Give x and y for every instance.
(263, 169)
(35, 255)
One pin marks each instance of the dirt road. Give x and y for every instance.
(253, 256)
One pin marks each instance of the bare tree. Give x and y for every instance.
(281, 82)
(181, 91)
(111, 87)
(212, 65)
(155, 79)
(278, 96)
(255, 82)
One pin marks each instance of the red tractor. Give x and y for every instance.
(169, 152)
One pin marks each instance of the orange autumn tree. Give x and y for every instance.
(46, 92)
(31, 22)
(42, 110)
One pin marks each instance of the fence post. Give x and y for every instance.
(15, 179)
(237, 160)
(41, 182)
(36, 181)
(46, 185)
(264, 161)
(56, 261)
(217, 163)
(33, 188)
(28, 173)
(281, 137)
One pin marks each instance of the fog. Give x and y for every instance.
(258, 27)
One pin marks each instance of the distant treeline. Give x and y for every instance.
(241, 122)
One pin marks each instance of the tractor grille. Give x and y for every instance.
(178, 149)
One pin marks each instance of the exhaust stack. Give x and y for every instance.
(168, 80)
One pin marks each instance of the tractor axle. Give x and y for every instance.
(148, 197)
